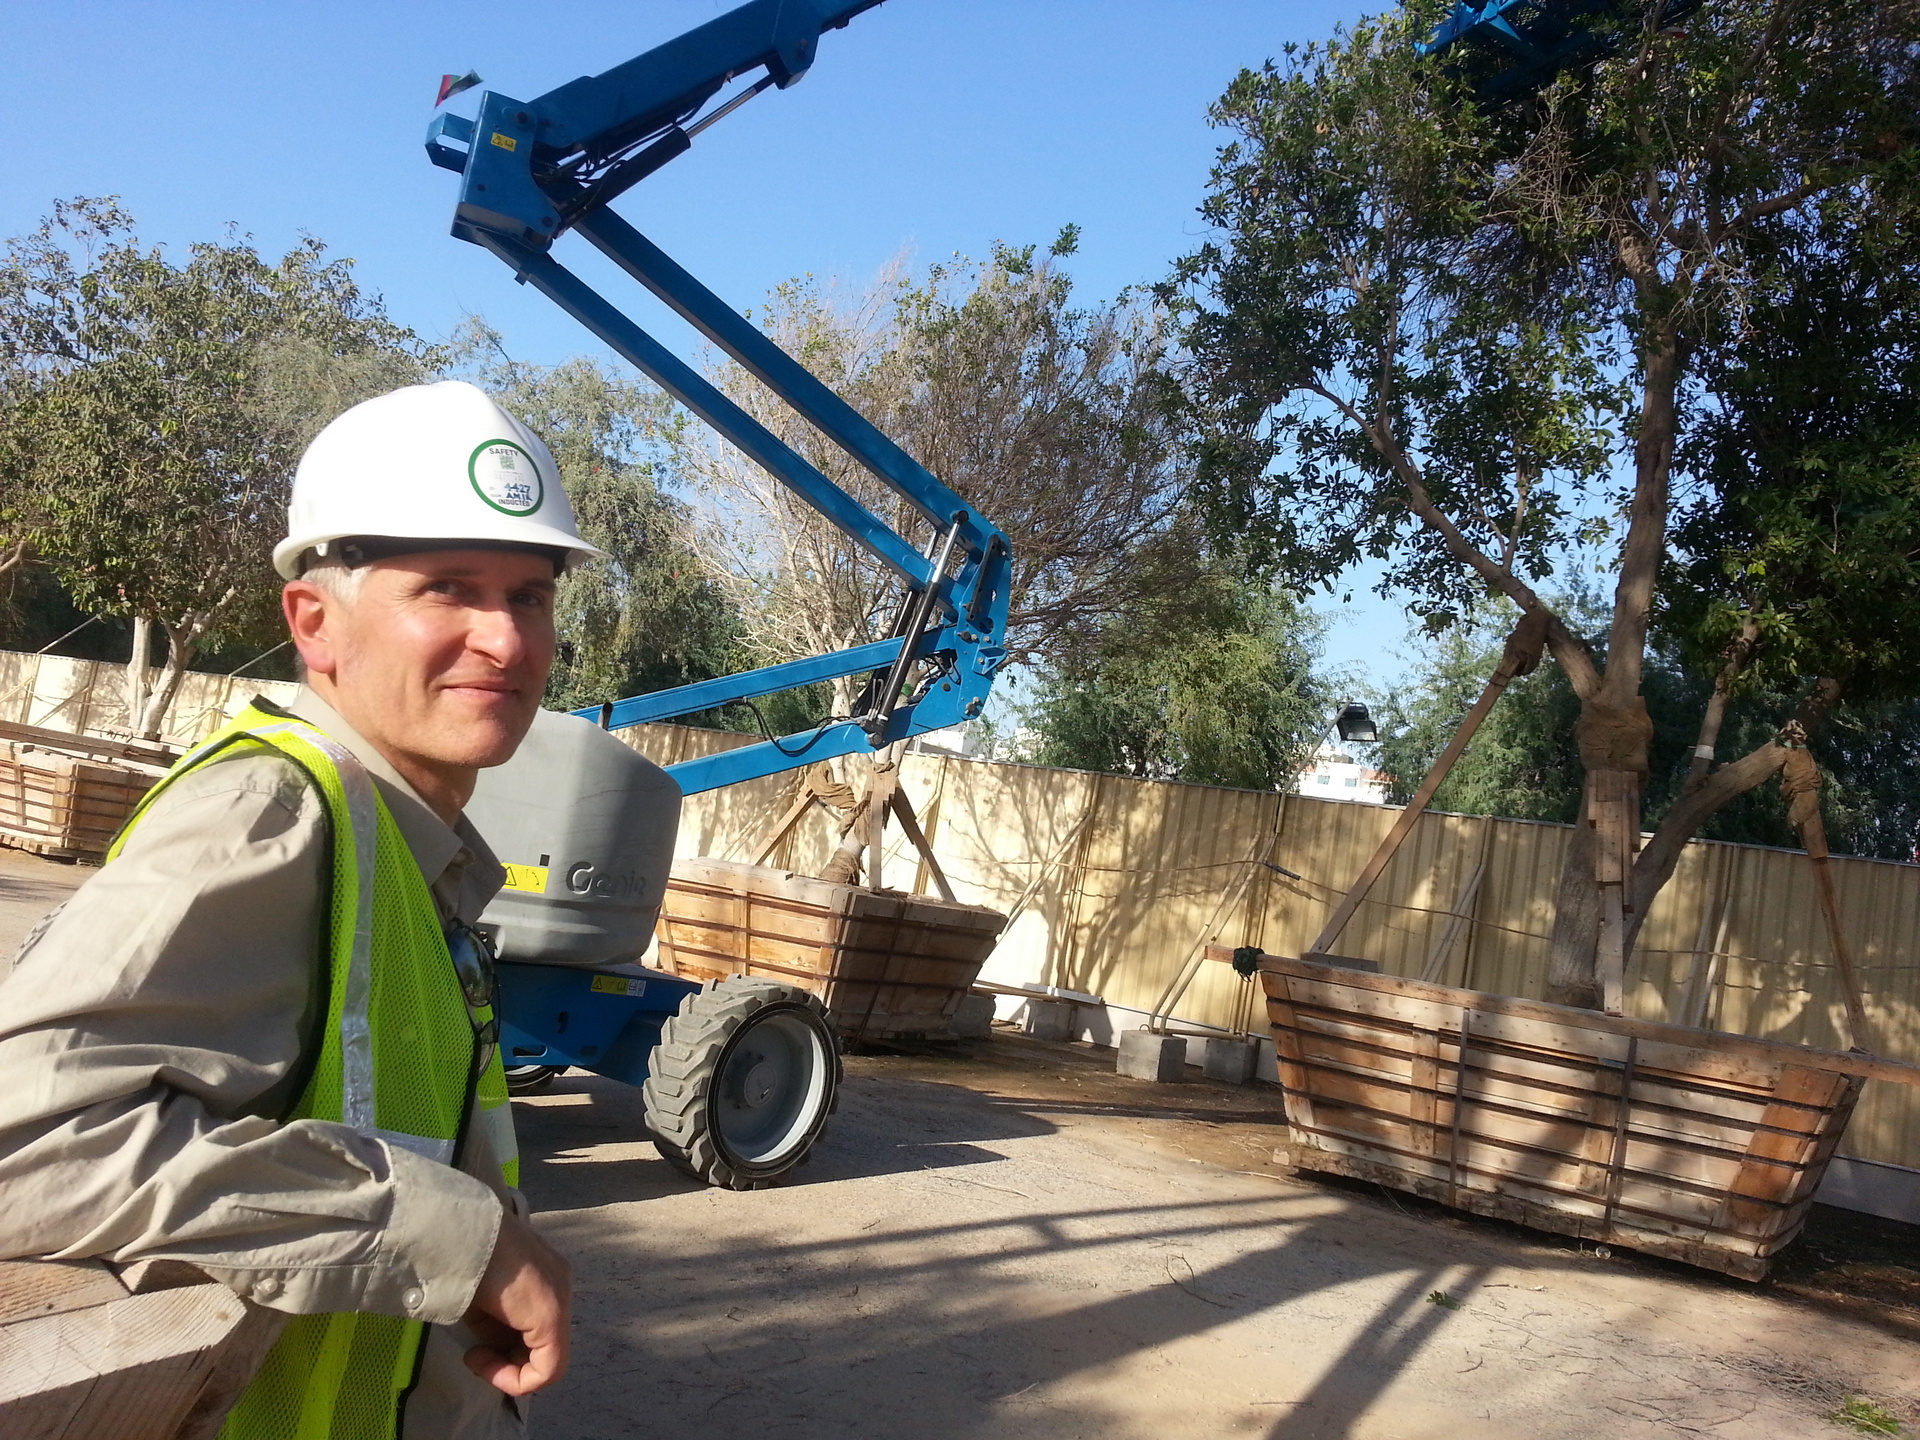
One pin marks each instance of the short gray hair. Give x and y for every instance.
(333, 575)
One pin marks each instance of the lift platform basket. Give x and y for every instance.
(1691, 1144)
(885, 964)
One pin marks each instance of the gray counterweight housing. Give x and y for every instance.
(586, 826)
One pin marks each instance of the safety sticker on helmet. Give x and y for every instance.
(505, 476)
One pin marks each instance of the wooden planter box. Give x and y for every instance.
(1692, 1144)
(65, 805)
(884, 964)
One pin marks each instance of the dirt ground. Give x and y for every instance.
(29, 887)
(1003, 1238)
(1006, 1239)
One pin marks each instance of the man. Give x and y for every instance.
(260, 1040)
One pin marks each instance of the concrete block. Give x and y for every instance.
(974, 1017)
(1230, 1060)
(1146, 1056)
(1050, 1019)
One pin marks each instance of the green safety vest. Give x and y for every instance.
(397, 1060)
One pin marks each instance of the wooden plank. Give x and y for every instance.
(1645, 1202)
(1496, 1114)
(1614, 1149)
(137, 1368)
(1693, 1114)
(1761, 1181)
(32, 1288)
(882, 962)
(39, 736)
(1712, 1041)
(1742, 1264)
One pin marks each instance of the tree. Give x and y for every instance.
(1523, 764)
(1463, 340)
(1212, 683)
(647, 617)
(155, 412)
(1052, 420)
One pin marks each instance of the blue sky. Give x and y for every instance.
(929, 126)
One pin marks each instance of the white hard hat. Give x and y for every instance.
(438, 463)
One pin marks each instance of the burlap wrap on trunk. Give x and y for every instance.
(1800, 782)
(1614, 737)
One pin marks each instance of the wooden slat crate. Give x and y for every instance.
(884, 963)
(1692, 1144)
(66, 805)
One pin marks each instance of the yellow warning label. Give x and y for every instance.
(505, 142)
(618, 985)
(527, 877)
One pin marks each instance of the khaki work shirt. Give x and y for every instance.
(150, 1031)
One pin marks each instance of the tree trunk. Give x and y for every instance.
(137, 671)
(1595, 918)
(1576, 924)
(183, 641)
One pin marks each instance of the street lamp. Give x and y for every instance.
(1355, 724)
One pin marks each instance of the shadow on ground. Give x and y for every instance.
(778, 1313)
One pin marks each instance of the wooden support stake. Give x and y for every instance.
(1462, 907)
(1622, 1115)
(910, 827)
(1800, 780)
(82, 1354)
(799, 807)
(886, 780)
(1459, 1106)
(1521, 655)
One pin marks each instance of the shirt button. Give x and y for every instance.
(266, 1289)
(413, 1297)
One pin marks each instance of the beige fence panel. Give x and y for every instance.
(1120, 878)
(89, 697)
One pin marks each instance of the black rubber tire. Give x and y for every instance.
(532, 1079)
(696, 1068)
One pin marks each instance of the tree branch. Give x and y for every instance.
(1655, 864)
(1737, 655)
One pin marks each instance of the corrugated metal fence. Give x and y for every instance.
(1117, 881)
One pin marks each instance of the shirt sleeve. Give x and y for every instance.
(153, 1029)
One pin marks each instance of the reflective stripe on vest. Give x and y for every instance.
(395, 1061)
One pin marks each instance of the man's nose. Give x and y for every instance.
(494, 631)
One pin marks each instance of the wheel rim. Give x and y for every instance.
(769, 1087)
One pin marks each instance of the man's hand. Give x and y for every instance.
(521, 1312)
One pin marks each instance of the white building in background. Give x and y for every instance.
(958, 742)
(1336, 775)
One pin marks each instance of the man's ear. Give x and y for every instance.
(312, 615)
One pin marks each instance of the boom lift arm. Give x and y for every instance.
(532, 170)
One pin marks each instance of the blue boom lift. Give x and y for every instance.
(739, 1078)
(1510, 49)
